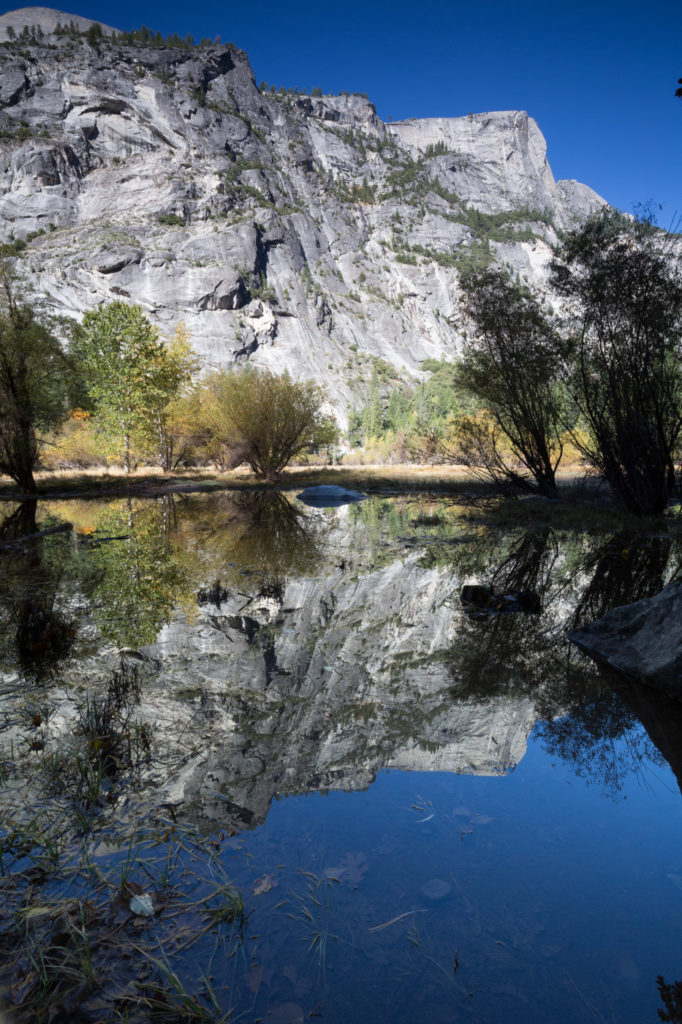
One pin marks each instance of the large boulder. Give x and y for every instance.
(329, 496)
(643, 640)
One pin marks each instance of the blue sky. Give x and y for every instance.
(598, 77)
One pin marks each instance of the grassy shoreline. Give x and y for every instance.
(585, 504)
(373, 479)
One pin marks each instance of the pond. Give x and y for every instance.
(258, 762)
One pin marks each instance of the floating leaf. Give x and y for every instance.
(264, 884)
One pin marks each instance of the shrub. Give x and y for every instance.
(260, 418)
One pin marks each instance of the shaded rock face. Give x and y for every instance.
(164, 175)
(643, 640)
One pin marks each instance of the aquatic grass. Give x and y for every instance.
(35, 841)
(170, 1000)
(105, 752)
(230, 905)
(313, 909)
(72, 940)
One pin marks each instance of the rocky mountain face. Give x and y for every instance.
(300, 232)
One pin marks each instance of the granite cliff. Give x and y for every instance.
(298, 231)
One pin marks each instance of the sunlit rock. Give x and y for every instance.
(164, 176)
(329, 496)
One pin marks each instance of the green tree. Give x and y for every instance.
(261, 418)
(175, 365)
(131, 375)
(33, 381)
(510, 365)
(623, 288)
(94, 34)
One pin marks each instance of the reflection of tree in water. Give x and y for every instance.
(149, 557)
(601, 738)
(671, 997)
(138, 576)
(601, 732)
(37, 633)
(529, 565)
(587, 719)
(510, 653)
(257, 534)
(20, 523)
(628, 567)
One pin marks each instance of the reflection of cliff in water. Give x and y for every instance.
(290, 651)
(327, 683)
(363, 668)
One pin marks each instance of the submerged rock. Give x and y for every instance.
(483, 600)
(329, 496)
(436, 890)
(643, 640)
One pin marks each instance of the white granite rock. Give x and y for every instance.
(162, 175)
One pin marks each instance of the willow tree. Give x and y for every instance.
(622, 285)
(510, 365)
(261, 418)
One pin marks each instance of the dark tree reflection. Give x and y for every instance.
(629, 567)
(512, 653)
(37, 632)
(671, 997)
(19, 523)
(614, 727)
(591, 719)
(257, 536)
(528, 566)
(601, 739)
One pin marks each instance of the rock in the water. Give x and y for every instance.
(643, 640)
(479, 600)
(477, 597)
(329, 496)
(436, 890)
(142, 905)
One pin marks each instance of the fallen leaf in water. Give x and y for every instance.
(264, 884)
(351, 869)
(461, 812)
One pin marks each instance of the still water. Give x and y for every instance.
(429, 813)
